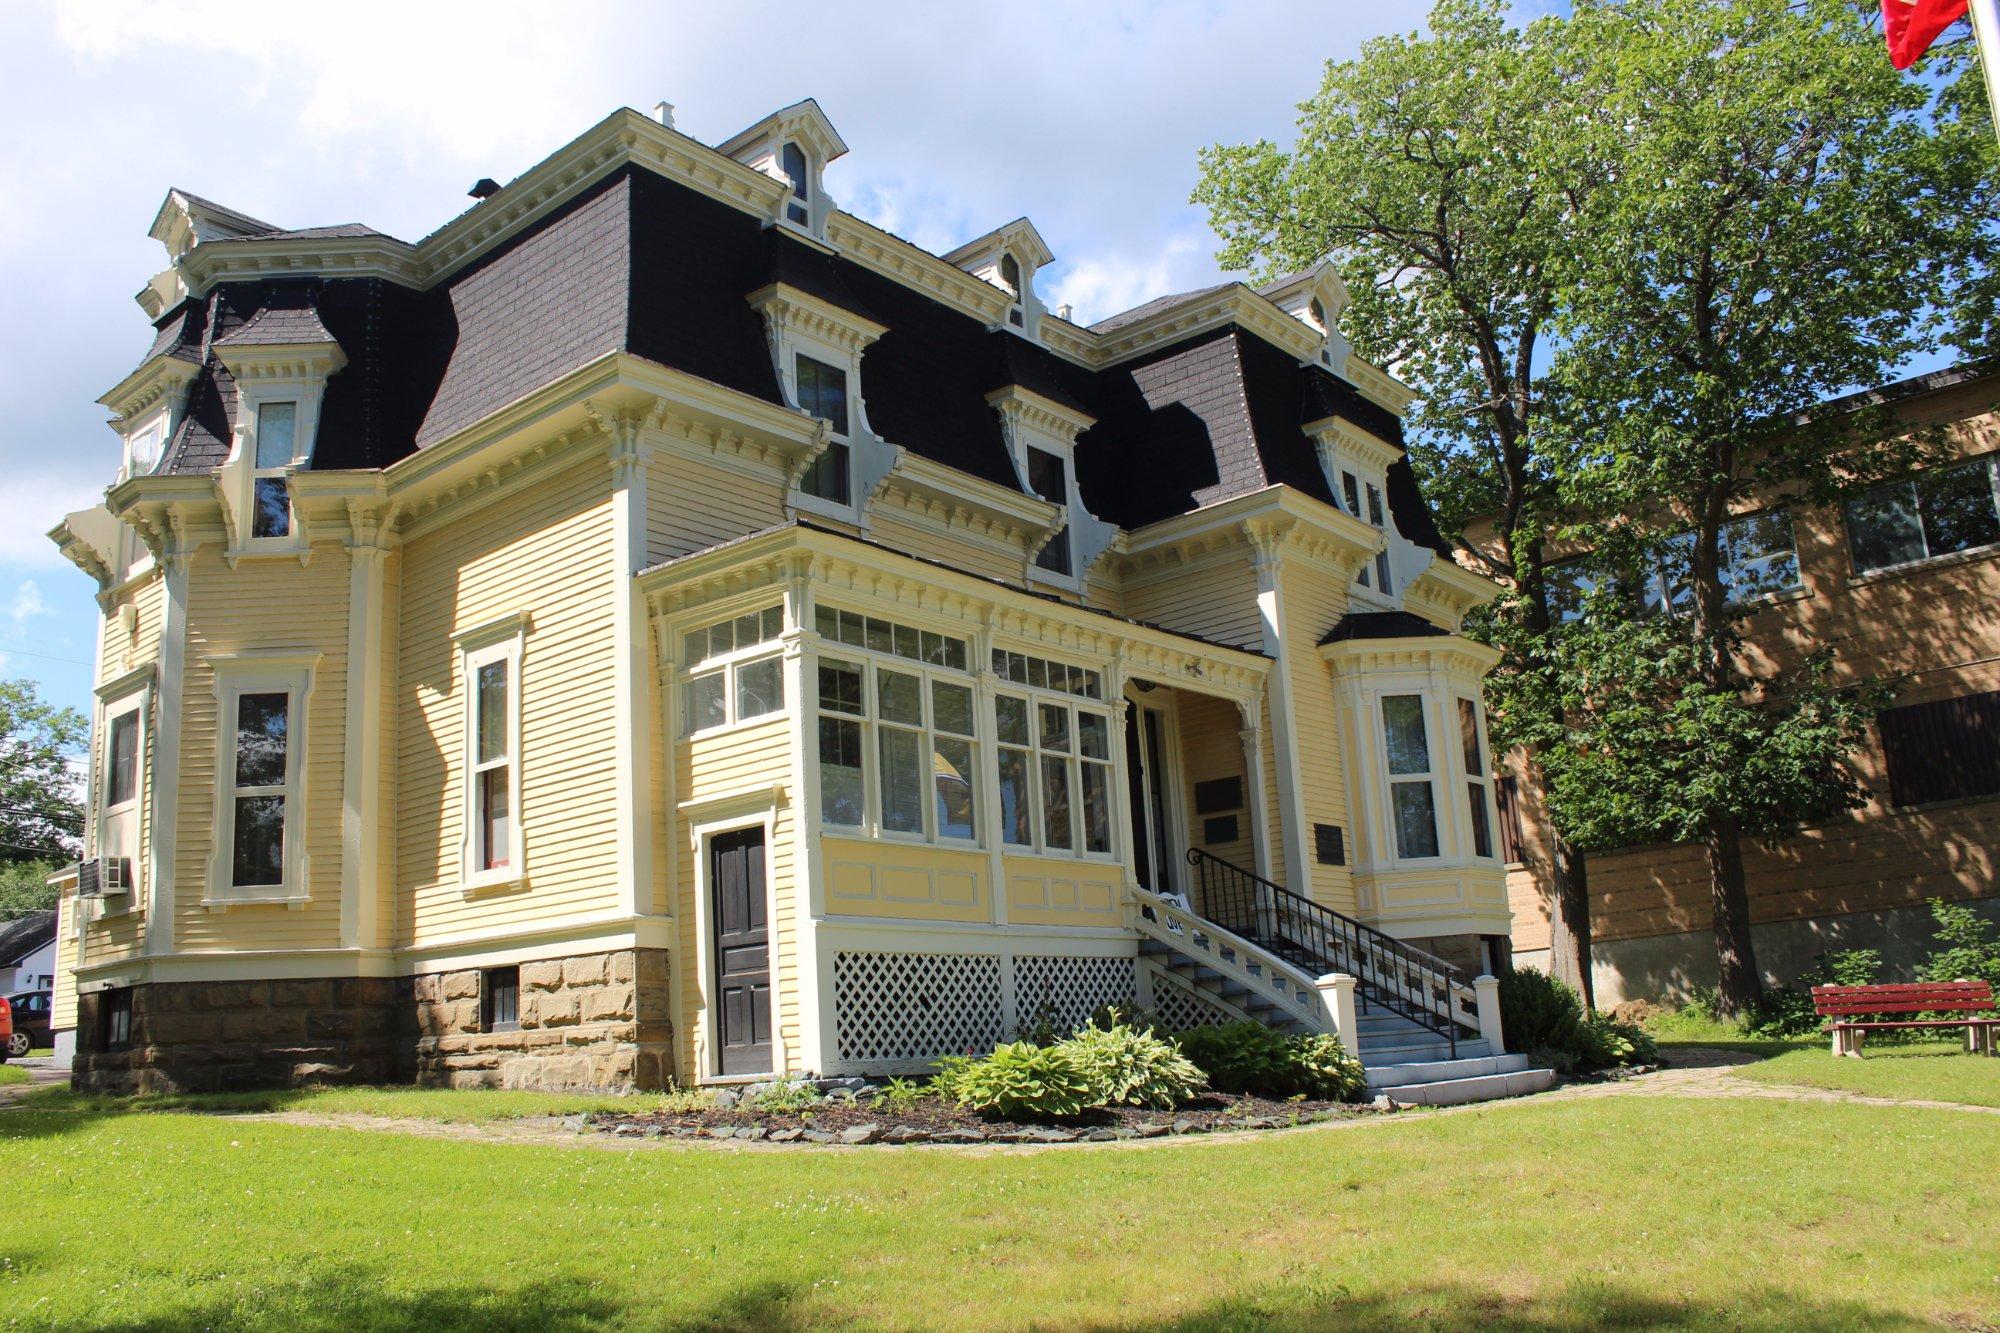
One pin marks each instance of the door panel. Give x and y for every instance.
(742, 952)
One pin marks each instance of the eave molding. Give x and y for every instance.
(1021, 409)
(1348, 440)
(944, 493)
(282, 361)
(1452, 655)
(791, 308)
(159, 379)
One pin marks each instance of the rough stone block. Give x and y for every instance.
(552, 1009)
(461, 985)
(315, 993)
(546, 975)
(621, 966)
(427, 989)
(589, 970)
(606, 1003)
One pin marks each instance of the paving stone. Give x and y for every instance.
(787, 1135)
(868, 1133)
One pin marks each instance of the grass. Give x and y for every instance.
(14, 1074)
(1924, 1071)
(468, 1107)
(1566, 1214)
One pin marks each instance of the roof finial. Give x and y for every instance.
(664, 113)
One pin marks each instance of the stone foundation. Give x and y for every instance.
(598, 1020)
(595, 1021)
(205, 1036)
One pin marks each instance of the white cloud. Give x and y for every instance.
(28, 603)
(1108, 281)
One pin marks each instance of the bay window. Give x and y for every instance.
(1478, 780)
(735, 671)
(258, 852)
(1412, 800)
(492, 764)
(1935, 513)
(260, 769)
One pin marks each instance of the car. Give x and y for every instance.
(7, 1030)
(31, 1014)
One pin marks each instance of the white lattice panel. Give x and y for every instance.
(1066, 991)
(905, 1009)
(1178, 1009)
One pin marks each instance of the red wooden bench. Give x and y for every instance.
(1853, 1011)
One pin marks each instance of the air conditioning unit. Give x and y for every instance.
(104, 877)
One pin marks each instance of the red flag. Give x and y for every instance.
(1912, 25)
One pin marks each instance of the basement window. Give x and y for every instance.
(500, 1000)
(114, 1017)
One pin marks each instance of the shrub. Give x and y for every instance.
(1970, 952)
(1023, 1081)
(1602, 1042)
(947, 1071)
(1241, 1057)
(1127, 1066)
(1248, 1057)
(1324, 1070)
(1538, 1011)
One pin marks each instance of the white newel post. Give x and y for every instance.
(1487, 990)
(1336, 991)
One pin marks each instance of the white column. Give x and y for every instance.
(631, 700)
(1487, 991)
(176, 555)
(808, 883)
(1336, 991)
(361, 779)
(1268, 558)
(1257, 800)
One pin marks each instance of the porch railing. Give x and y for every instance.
(1390, 974)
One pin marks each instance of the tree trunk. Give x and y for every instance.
(1735, 958)
(1569, 918)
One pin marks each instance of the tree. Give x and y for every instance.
(41, 805)
(1787, 218)
(1441, 175)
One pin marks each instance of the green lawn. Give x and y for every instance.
(1927, 1071)
(1566, 1214)
(466, 1108)
(14, 1074)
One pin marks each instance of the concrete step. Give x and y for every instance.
(1478, 1088)
(1384, 1054)
(1438, 1071)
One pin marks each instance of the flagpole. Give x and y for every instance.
(1986, 42)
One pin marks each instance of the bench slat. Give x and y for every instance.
(1920, 1023)
(1910, 1007)
(1972, 987)
(1941, 996)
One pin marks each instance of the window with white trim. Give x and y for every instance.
(1757, 556)
(1412, 797)
(735, 672)
(142, 446)
(1048, 477)
(798, 208)
(1478, 777)
(122, 729)
(897, 753)
(822, 392)
(490, 674)
(1935, 513)
(1054, 759)
(259, 852)
(276, 442)
(1010, 278)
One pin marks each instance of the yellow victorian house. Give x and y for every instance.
(661, 627)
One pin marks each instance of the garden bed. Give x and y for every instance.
(867, 1117)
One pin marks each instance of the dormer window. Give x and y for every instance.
(142, 447)
(1374, 515)
(270, 500)
(1010, 278)
(798, 208)
(823, 393)
(1048, 477)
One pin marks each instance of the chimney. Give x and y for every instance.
(484, 188)
(664, 113)
(1066, 311)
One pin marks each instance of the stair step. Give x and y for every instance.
(1479, 1088)
(1441, 1071)
(1424, 1052)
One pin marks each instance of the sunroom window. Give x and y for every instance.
(922, 762)
(1932, 514)
(735, 672)
(1412, 801)
(270, 502)
(823, 393)
(1054, 758)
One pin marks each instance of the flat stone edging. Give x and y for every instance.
(902, 1135)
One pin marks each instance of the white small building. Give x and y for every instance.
(28, 953)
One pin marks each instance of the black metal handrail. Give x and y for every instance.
(1399, 977)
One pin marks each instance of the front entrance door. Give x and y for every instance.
(1145, 764)
(742, 951)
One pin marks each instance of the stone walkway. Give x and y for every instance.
(1697, 1072)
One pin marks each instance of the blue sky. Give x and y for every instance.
(1085, 117)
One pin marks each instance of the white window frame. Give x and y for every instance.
(872, 724)
(728, 665)
(1992, 462)
(1440, 816)
(131, 693)
(152, 422)
(849, 366)
(253, 395)
(1035, 697)
(502, 640)
(284, 672)
(1483, 780)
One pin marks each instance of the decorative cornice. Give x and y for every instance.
(792, 309)
(282, 361)
(1024, 409)
(1449, 591)
(1452, 655)
(944, 493)
(159, 379)
(920, 270)
(1345, 439)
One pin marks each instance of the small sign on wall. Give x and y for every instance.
(1222, 828)
(1217, 795)
(1330, 844)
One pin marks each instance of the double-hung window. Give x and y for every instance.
(798, 208)
(1935, 513)
(1010, 278)
(735, 671)
(260, 788)
(270, 502)
(1054, 758)
(823, 393)
(1478, 780)
(493, 851)
(1756, 552)
(897, 747)
(1376, 516)
(1048, 477)
(1412, 800)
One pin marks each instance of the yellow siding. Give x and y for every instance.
(1052, 891)
(1212, 749)
(692, 505)
(958, 549)
(62, 1003)
(915, 883)
(1216, 599)
(738, 761)
(1314, 599)
(1102, 591)
(263, 604)
(544, 550)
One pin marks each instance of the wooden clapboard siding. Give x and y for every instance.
(62, 1000)
(958, 547)
(1314, 599)
(263, 603)
(691, 505)
(1214, 597)
(739, 760)
(545, 550)
(1211, 750)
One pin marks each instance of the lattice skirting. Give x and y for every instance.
(1179, 1008)
(897, 1012)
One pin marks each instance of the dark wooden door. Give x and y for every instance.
(742, 951)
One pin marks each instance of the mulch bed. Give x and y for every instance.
(930, 1120)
